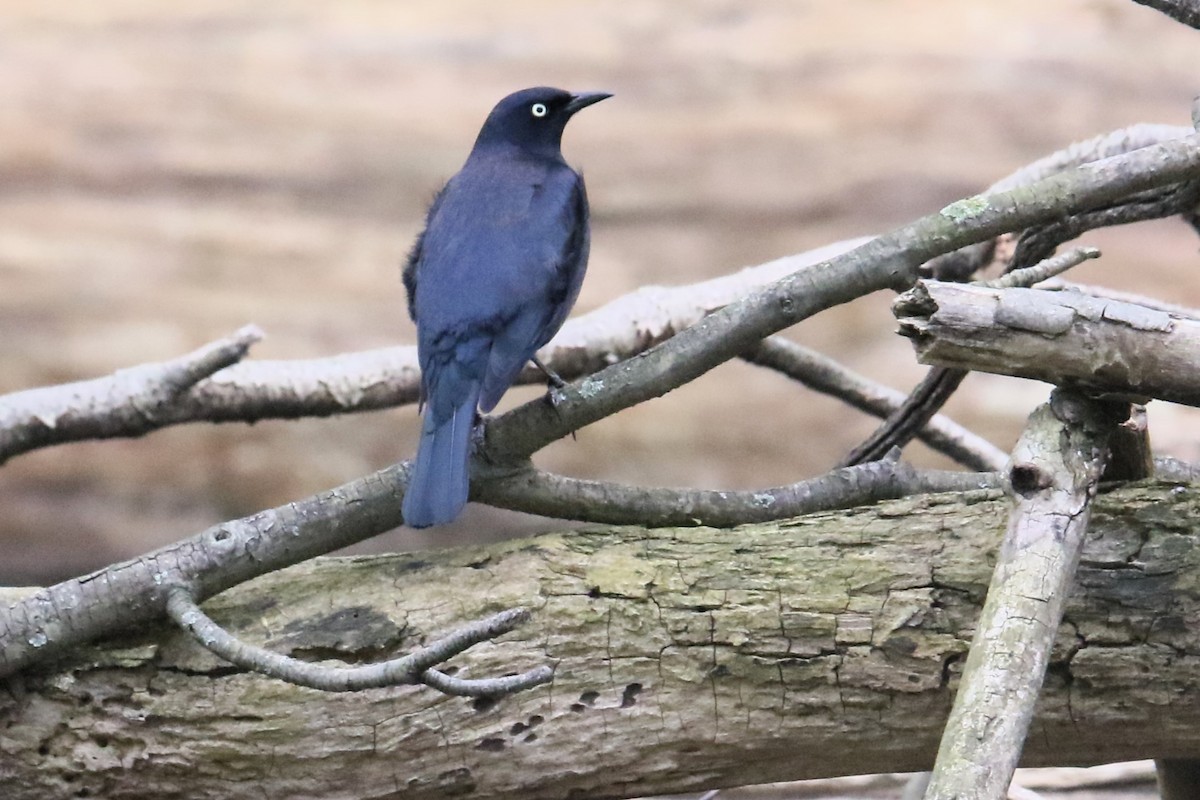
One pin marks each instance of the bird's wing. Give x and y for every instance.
(570, 265)
(536, 321)
(409, 274)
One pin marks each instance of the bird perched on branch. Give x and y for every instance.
(490, 280)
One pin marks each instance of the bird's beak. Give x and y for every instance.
(585, 99)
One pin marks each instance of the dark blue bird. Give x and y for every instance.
(490, 280)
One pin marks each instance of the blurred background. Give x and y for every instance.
(169, 172)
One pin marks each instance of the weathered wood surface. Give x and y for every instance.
(1060, 337)
(686, 659)
(1054, 475)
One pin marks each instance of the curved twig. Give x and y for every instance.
(414, 668)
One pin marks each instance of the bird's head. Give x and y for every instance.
(534, 119)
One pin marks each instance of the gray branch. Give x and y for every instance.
(1060, 337)
(1056, 467)
(414, 668)
(963, 262)
(130, 402)
(1043, 270)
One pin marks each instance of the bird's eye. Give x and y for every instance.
(538, 109)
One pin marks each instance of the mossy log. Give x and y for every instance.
(685, 659)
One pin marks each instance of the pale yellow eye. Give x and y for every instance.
(538, 109)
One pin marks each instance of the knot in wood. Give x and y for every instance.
(1027, 478)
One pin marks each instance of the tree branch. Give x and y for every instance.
(1064, 338)
(964, 262)
(551, 495)
(414, 668)
(130, 402)
(1056, 467)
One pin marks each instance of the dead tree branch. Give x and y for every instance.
(1054, 472)
(1063, 338)
(130, 402)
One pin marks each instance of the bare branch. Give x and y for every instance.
(129, 402)
(1043, 270)
(822, 374)
(922, 403)
(1056, 337)
(411, 669)
(1040, 241)
(964, 262)
(537, 492)
(1056, 467)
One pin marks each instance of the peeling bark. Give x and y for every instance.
(1098, 345)
(686, 659)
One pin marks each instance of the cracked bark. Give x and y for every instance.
(686, 659)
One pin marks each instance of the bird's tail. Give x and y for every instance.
(438, 485)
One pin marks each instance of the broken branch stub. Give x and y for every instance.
(1098, 345)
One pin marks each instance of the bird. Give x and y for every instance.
(489, 280)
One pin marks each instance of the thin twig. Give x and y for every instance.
(1043, 270)
(411, 669)
(823, 374)
(925, 400)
